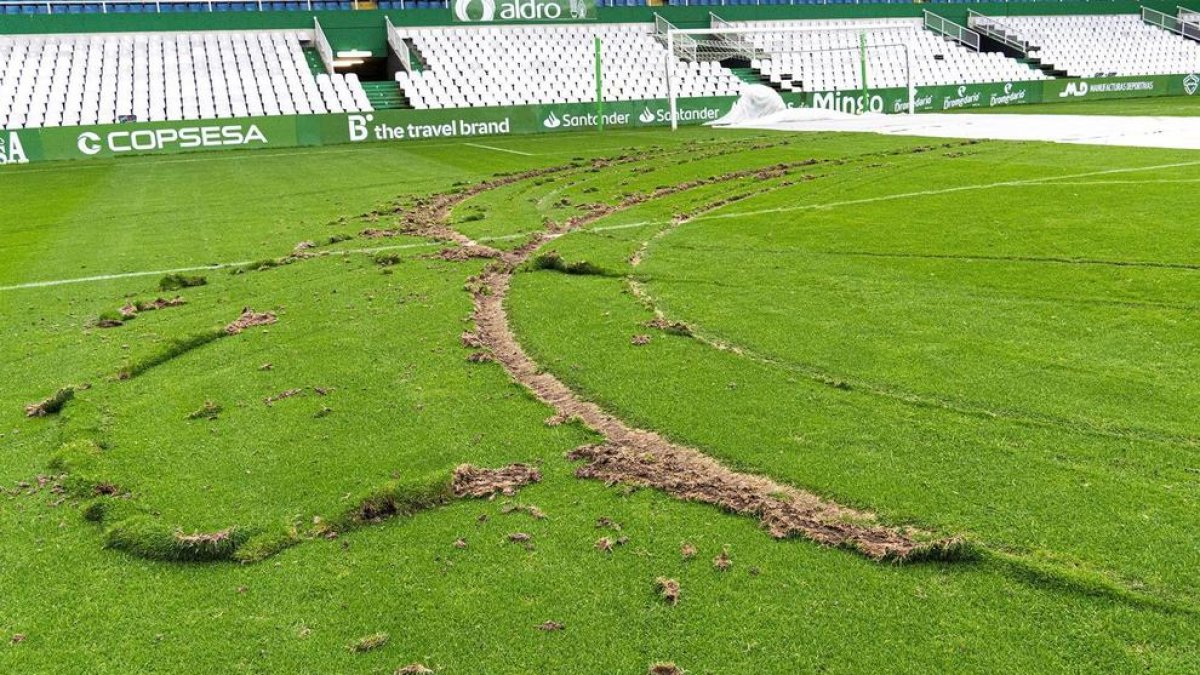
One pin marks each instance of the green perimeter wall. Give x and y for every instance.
(364, 29)
(62, 143)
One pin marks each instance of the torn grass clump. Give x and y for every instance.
(473, 481)
(369, 642)
(51, 405)
(174, 282)
(668, 589)
(248, 319)
(552, 260)
(262, 546)
(170, 350)
(208, 411)
(396, 498)
(147, 537)
(387, 259)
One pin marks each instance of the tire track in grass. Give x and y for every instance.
(642, 457)
(680, 471)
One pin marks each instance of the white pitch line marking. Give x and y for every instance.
(492, 147)
(604, 228)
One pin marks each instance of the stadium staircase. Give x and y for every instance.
(385, 95)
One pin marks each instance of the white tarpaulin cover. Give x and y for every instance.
(1146, 132)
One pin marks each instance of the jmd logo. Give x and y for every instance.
(552, 121)
(1191, 83)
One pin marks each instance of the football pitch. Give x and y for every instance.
(918, 404)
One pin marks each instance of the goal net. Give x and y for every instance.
(836, 64)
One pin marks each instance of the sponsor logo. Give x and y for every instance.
(364, 128)
(900, 105)
(835, 100)
(1074, 89)
(1009, 97)
(961, 99)
(1191, 83)
(1083, 88)
(183, 138)
(487, 11)
(11, 150)
(649, 115)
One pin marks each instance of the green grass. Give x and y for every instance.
(1011, 364)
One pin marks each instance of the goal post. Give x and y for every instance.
(722, 41)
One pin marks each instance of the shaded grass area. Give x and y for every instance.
(1172, 106)
(384, 401)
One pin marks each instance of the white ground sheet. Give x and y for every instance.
(1145, 132)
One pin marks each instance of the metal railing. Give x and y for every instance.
(1189, 21)
(685, 47)
(959, 33)
(323, 47)
(398, 45)
(1162, 20)
(728, 45)
(993, 29)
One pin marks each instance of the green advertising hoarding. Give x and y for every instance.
(516, 11)
(60, 143)
(1121, 87)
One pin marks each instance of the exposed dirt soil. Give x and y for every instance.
(687, 551)
(473, 481)
(461, 253)
(414, 669)
(664, 669)
(287, 393)
(250, 318)
(551, 626)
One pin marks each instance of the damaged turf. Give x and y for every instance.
(473, 481)
(643, 458)
(668, 589)
(250, 318)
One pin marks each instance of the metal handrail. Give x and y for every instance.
(986, 25)
(324, 49)
(398, 45)
(954, 31)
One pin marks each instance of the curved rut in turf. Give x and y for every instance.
(641, 457)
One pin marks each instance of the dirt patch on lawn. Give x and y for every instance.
(248, 319)
(473, 481)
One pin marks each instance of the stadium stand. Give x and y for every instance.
(66, 80)
(830, 60)
(548, 63)
(1088, 46)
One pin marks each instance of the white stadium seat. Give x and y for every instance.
(66, 80)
